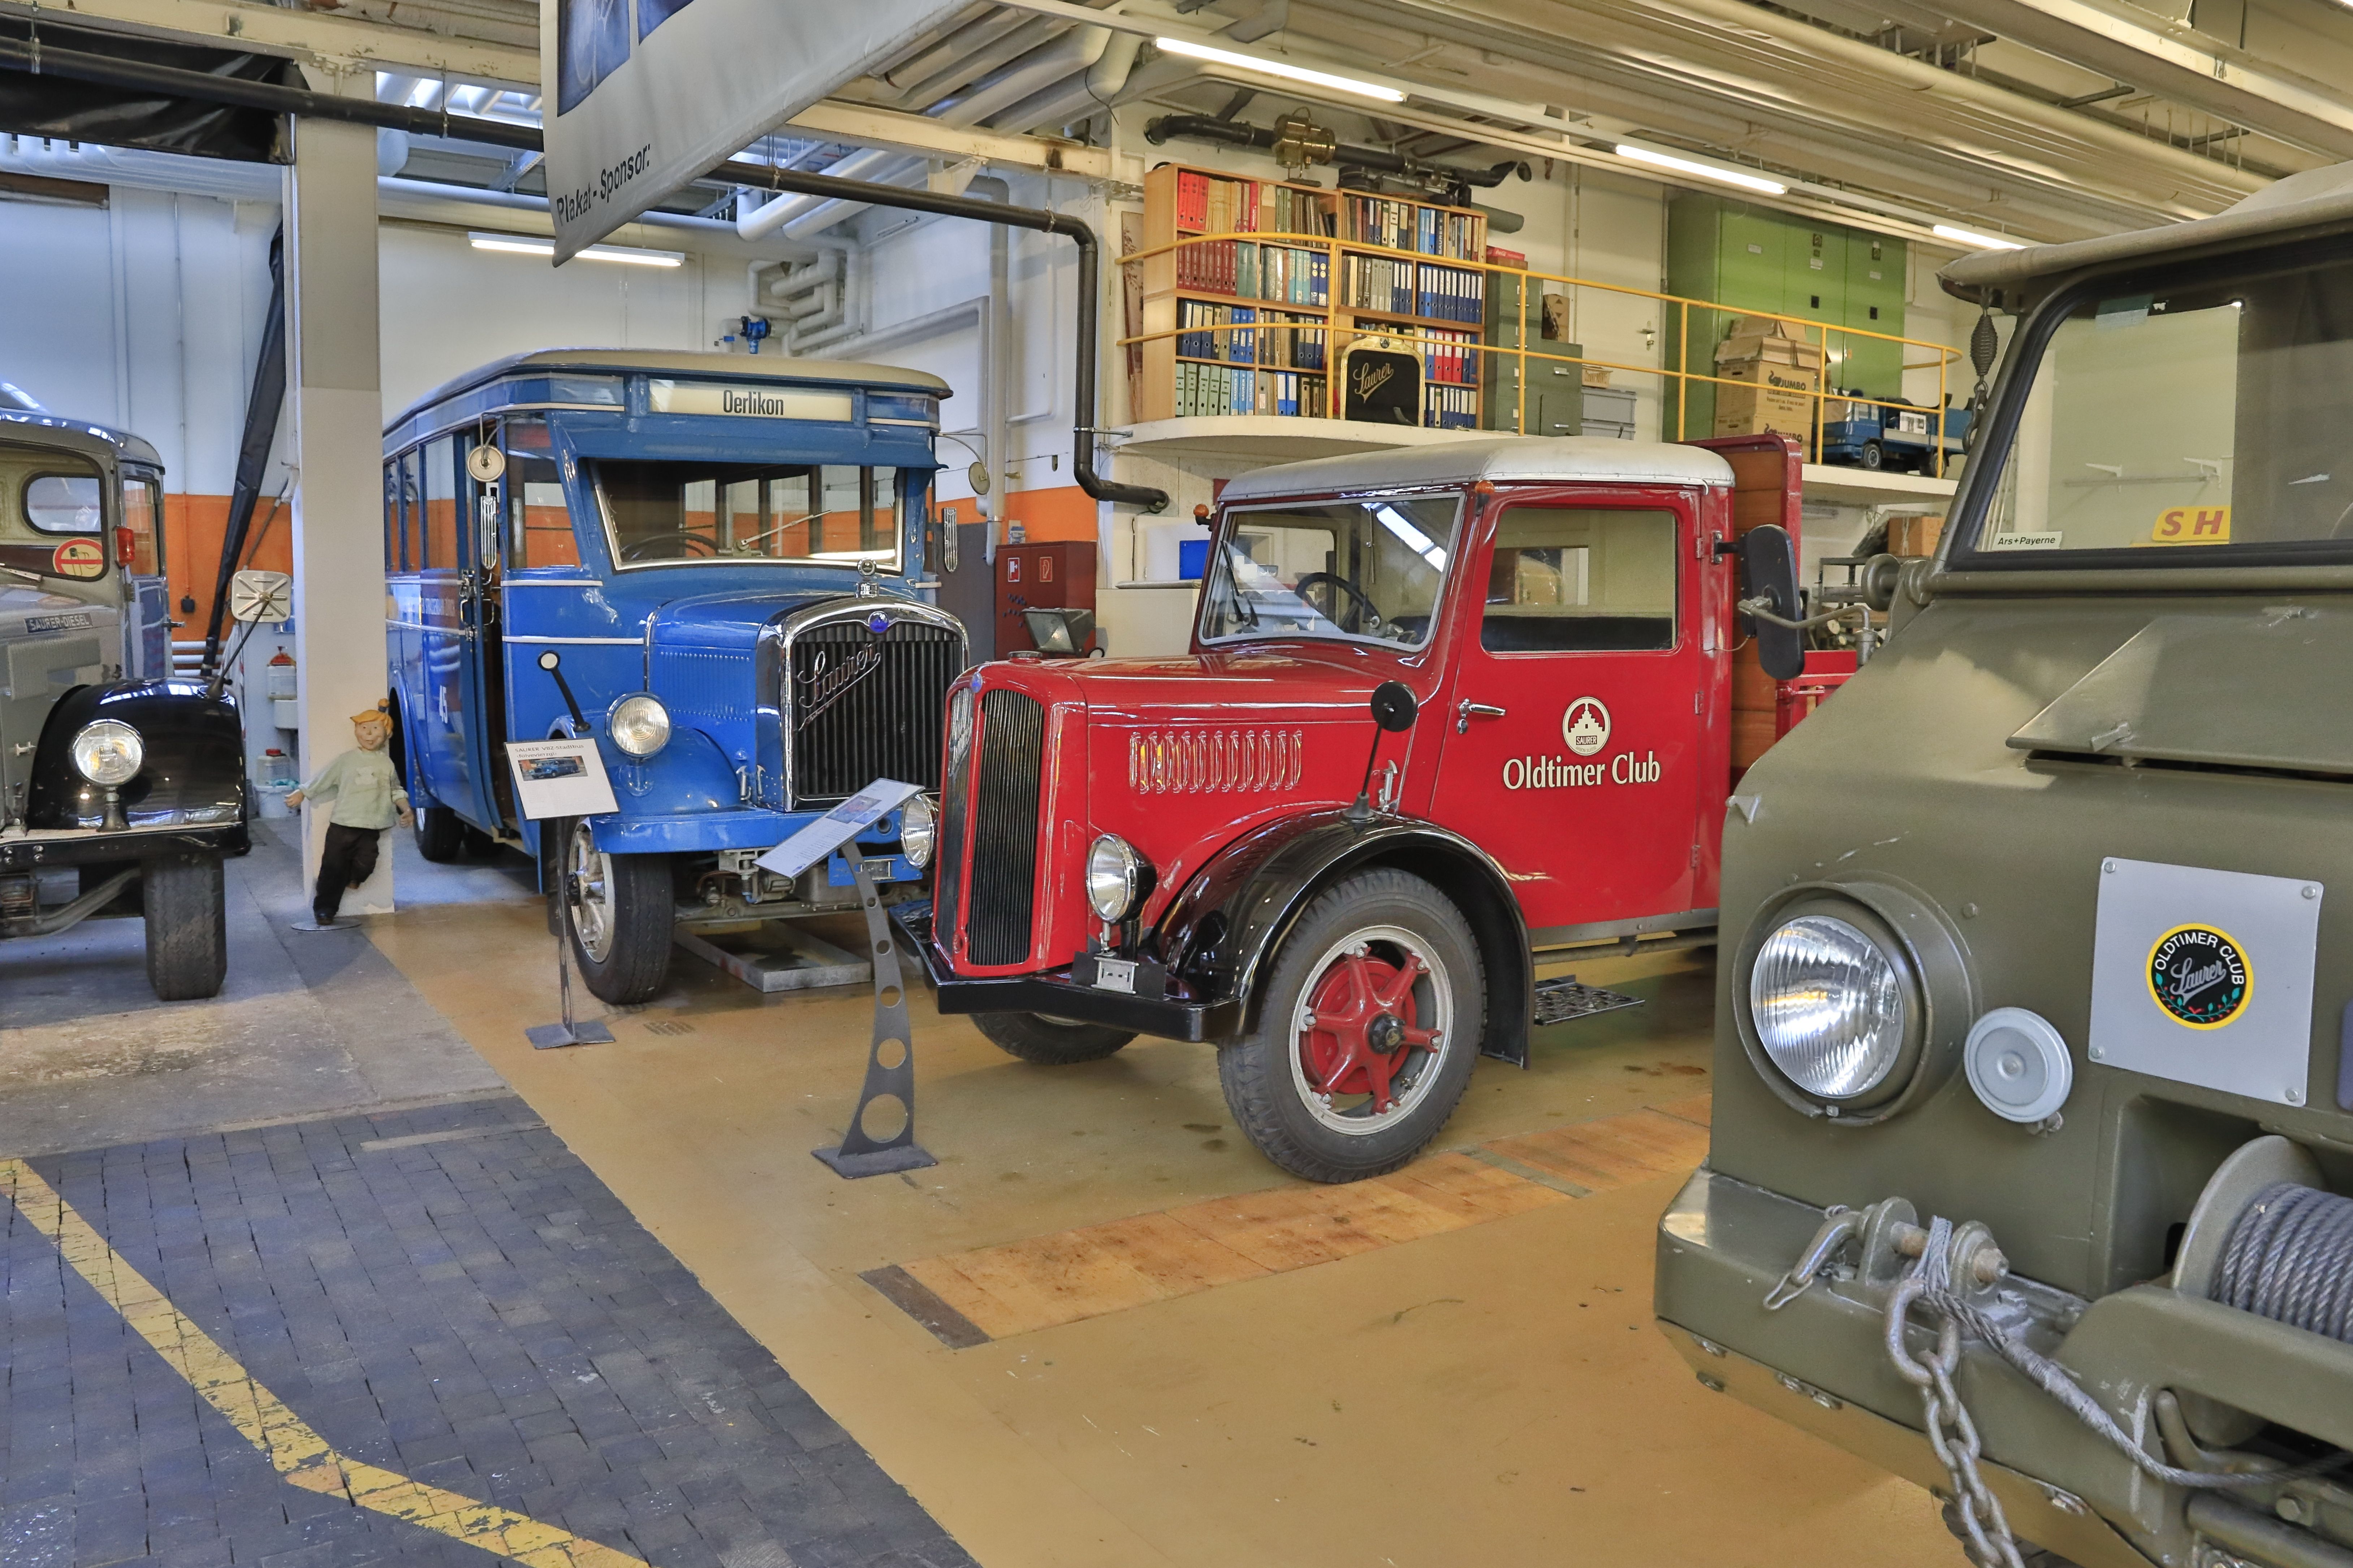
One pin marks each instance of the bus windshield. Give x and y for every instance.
(2197, 422)
(668, 513)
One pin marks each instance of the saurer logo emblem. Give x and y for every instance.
(1585, 727)
(825, 682)
(2200, 976)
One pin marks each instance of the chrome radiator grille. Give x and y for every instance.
(1005, 827)
(863, 705)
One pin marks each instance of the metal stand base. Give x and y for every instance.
(332, 925)
(547, 1037)
(771, 958)
(890, 1059)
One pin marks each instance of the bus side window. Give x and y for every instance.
(412, 509)
(539, 526)
(396, 559)
(442, 486)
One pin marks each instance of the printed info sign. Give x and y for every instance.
(647, 94)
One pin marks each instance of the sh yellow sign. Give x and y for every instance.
(2192, 525)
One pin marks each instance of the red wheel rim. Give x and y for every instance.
(1363, 1025)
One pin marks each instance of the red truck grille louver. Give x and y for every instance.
(867, 706)
(1197, 762)
(1005, 806)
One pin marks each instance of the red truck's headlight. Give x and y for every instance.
(1118, 879)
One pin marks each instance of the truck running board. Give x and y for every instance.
(1561, 999)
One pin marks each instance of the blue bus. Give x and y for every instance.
(723, 556)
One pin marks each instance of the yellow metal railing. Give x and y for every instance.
(1335, 320)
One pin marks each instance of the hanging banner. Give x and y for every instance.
(642, 96)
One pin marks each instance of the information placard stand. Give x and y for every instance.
(889, 1058)
(547, 1037)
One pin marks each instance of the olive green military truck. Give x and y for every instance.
(2033, 1124)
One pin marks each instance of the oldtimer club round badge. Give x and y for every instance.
(2200, 976)
(1585, 726)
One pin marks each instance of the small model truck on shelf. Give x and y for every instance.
(1547, 632)
(1863, 434)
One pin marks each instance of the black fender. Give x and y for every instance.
(193, 774)
(1219, 933)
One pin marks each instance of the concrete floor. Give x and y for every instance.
(1492, 1393)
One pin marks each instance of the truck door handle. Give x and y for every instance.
(1466, 709)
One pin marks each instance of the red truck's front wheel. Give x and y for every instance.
(1367, 1031)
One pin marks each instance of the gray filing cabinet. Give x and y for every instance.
(1555, 391)
(1610, 411)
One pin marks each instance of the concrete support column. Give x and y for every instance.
(335, 403)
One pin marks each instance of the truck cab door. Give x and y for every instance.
(1572, 735)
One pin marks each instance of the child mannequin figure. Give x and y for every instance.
(367, 799)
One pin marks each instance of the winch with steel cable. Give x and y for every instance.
(2265, 1238)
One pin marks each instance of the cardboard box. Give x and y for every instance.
(1768, 372)
(1762, 340)
(1754, 410)
(1913, 535)
(1597, 375)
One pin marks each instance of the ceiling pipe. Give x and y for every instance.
(1076, 50)
(1080, 96)
(1238, 133)
(1011, 45)
(824, 214)
(1044, 221)
(105, 70)
(965, 41)
(773, 215)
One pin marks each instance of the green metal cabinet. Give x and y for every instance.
(1751, 258)
(1555, 391)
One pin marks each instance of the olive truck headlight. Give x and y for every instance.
(639, 725)
(1829, 1005)
(1117, 878)
(107, 752)
(919, 830)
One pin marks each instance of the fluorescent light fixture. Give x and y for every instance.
(1192, 50)
(516, 245)
(1705, 171)
(1975, 240)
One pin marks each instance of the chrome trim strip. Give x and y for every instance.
(566, 642)
(1603, 930)
(552, 583)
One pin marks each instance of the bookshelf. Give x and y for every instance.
(1309, 271)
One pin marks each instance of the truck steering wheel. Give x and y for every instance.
(1368, 611)
(636, 550)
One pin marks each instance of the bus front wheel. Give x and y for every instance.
(617, 914)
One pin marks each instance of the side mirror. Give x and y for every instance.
(256, 595)
(1394, 709)
(1769, 572)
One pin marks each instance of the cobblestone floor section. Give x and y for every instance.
(462, 1302)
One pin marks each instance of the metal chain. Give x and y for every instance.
(1985, 1531)
(1950, 1431)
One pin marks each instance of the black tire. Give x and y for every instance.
(187, 928)
(479, 845)
(1049, 1042)
(1266, 1075)
(1874, 456)
(441, 835)
(617, 914)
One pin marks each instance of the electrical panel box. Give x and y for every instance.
(1057, 577)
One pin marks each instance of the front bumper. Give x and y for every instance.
(747, 827)
(43, 848)
(1055, 994)
(1821, 1363)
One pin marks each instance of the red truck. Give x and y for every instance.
(1168, 846)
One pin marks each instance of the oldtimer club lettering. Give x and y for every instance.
(2200, 976)
(1585, 728)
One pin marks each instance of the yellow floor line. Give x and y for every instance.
(297, 1452)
